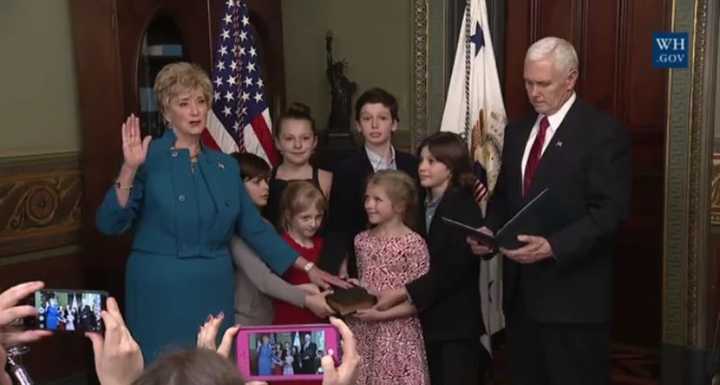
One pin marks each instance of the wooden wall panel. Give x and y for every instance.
(599, 57)
(642, 108)
(40, 217)
(40, 199)
(518, 34)
(613, 40)
(555, 18)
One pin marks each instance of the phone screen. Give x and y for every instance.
(68, 310)
(284, 354)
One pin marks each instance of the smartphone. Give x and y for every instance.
(64, 310)
(285, 352)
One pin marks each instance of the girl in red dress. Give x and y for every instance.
(302, 208)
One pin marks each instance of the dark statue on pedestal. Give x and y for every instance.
(341, 91)
(338, 138)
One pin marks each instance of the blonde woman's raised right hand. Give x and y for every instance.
(134, 149)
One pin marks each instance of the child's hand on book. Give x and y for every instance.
(317, 304)
(309, 288)
(391, 297)
(371, 315)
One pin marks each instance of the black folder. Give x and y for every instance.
(506, 236)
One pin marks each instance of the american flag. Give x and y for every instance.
(239, 119)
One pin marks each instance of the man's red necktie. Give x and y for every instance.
(535, 154)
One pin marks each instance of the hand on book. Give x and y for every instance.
(372, 314)
(317, 304)
(535, 249)
(309, 288)
(477, 247)
(391, 297)
(347, 301)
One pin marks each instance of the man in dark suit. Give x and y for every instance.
(376, 118)
(308, 352)
(557, 283)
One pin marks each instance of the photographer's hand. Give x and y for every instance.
(10, 313)
(207, 335)
(118, 359)
(349, 370)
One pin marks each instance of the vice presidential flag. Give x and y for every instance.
(474, 109)
(239, 119)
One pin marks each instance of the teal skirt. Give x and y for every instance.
(169, 298)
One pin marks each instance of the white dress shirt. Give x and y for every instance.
(380, 162)
(555, 120)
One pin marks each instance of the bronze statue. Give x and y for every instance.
(341, 91)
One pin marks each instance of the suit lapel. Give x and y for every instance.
(440, 211)
(367, 166)
(213, 168)
(515, 176)
(404, 163)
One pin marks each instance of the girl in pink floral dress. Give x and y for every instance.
(390, 255)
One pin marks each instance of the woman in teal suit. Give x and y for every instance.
(184, 202)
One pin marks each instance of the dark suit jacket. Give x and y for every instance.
(587, 169)
(447, 296)
(347, 211)
(308, 353)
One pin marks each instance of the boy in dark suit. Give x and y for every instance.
(376, 118)
(557, 285)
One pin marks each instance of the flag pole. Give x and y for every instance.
(468, 57)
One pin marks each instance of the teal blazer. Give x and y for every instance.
(160, 214)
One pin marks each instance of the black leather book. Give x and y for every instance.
(348, 301)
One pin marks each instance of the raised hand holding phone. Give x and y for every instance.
(67, 310)
(348, 371)
(298, 348)
(118, 359)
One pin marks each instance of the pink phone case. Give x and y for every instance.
(257, 360)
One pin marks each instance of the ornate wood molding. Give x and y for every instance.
(687, 191)
(419, 121)
(40, 200)
(699, 188)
